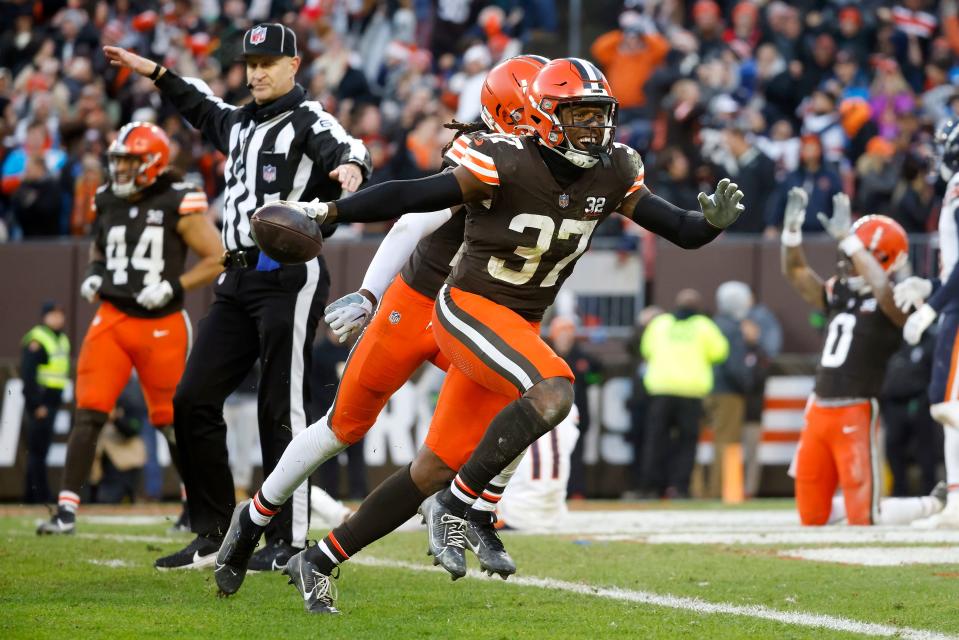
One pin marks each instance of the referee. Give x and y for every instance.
(281, 146)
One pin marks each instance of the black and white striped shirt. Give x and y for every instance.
(280, 151)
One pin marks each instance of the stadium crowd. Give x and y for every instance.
(829, 94)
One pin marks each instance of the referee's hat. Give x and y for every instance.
(269, 39)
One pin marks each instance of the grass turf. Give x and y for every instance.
(50, 588)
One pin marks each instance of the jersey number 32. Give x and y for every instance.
(147, 254)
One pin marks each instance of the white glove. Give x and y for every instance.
(314, 210)
(348, 315)
(911, 292)
(155, 295)
(723, 207)
(90, 287)
(917, 323)
(840, 223)
(794, 217)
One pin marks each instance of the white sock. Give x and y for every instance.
(68, 501)
(838, 513)
(302, 456)
(951, 455)
(905, 510)
(494, 490)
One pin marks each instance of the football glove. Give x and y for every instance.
(794, 217)
(840, 223)
(911, 292)
(314, 210)
(154, 296)
(917, 323)
(723, 207)
(90, 287)
(348, 315)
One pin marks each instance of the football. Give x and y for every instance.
(286, 234)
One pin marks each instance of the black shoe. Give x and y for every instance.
(62, 522)
(182, 524)
(447, 536)
(315, 587)
(273, 557)
(196, 555)
(232, 559)
(482, 539)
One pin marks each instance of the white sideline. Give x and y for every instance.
(694, 605)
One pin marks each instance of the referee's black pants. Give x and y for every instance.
(270, 315)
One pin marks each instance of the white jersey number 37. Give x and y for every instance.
(547, 228)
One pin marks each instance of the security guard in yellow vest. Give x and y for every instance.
(45, 371)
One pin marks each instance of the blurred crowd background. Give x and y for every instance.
(828, 94)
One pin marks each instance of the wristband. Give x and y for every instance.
(156, 72)
(851, 244)
(177, 288)
(791, 237)
(96, 268)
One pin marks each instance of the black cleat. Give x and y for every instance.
(316, 588)
(273, 556)
(198, 554)
(447, 536)
(232, 559)
(482, 539)
(62, 522)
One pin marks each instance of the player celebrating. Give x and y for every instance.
(397, 342)
(546, 193)
(839, 444)
(939, 299)
(146, 221)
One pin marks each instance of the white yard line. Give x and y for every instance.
(694, 605)
(113, 564)
(877, 556)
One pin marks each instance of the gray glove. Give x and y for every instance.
(795, 214)
(348, 315)
(840, 223)
(723, 207)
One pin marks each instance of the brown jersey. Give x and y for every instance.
(860, 340)
(520, 250)
(140, 241)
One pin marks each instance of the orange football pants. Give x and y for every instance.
(115, 343)
(397, 341)
(497, 356)
(838, 446)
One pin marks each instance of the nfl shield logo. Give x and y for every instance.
(395, 317)
(564, 201)
(258, 35)
(269, 173)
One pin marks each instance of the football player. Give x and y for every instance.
(939, 300)
(545, 193)
(839, 444)
(398, 340)
(146, 222)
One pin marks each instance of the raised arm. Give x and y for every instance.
(839, 227)
(794, 266)
(191, 97)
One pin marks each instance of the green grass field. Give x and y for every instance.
(101, 584)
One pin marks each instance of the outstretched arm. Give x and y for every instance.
(794, 266)
(687, 229)
(191, 97)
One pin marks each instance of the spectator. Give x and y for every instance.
(912, 198)
(818, 181)
(672, 179)
(768, 345)
(855, 115)
(469, 82)
(877, 175)
(753, 171)
(681, 349)
(822, 120)
(37, 203)
(629, 56)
